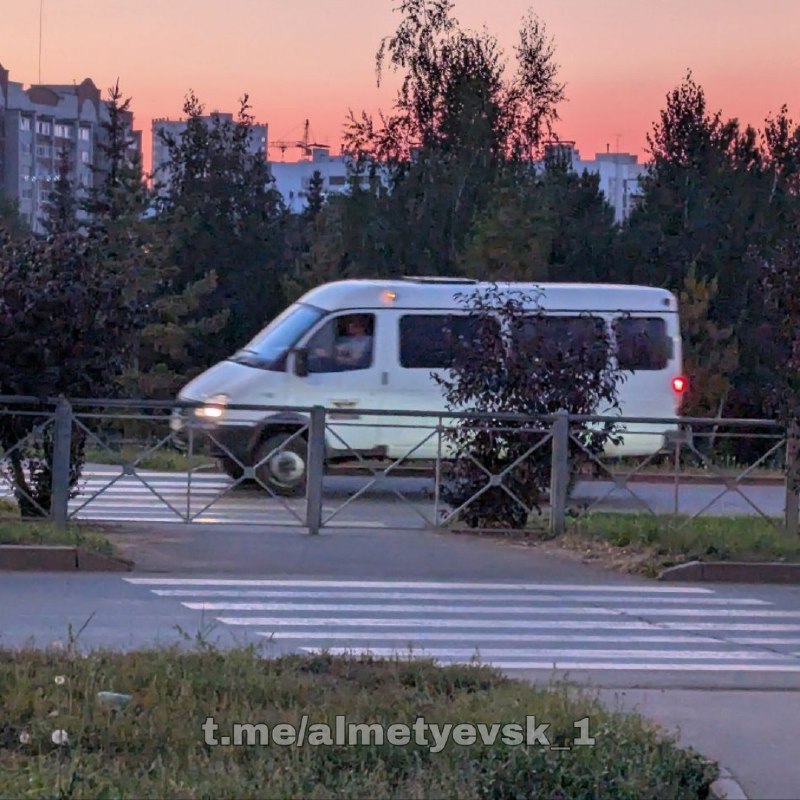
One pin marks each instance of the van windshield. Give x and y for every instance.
(268, 350)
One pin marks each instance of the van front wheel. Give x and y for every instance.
(282, 465)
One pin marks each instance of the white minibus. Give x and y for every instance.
(374, 345)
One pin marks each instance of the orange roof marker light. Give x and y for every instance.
(388, 296)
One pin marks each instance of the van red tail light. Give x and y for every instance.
(679, 384)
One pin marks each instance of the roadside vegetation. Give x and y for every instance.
(14, 530)
(148, 742)
(646, 544)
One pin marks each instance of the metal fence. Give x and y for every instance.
(138, 468)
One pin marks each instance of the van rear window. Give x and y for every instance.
(642, 343)
(429, 341)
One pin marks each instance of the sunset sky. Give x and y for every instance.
(315, 58)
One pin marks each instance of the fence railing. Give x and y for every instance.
(400, 464)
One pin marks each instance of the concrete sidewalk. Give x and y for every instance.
(752, 733)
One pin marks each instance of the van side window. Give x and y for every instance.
(343, 344)
(555, 339)
(431, 341)
(642, 343)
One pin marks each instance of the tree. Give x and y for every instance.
(315, 197)
(554, 225)
(61, 208)
(459, 120)
(119, 192)
(710, 352)
(714, 194)
(511, 363)
(779, 337)
(224, 222)
(67, 325)
(11, 222)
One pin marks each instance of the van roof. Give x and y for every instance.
(432, 293)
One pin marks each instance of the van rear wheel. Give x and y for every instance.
(283, 470)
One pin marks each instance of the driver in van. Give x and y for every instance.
(355, 347)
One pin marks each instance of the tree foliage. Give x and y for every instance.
(514, 365)
(61, 208)
(68, 325)
(714, 194)
(460, 119)
(223, 224)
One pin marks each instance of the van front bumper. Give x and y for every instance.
(215, 439)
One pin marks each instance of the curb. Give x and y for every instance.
(733, 572)
(58, 558)
(726, 787)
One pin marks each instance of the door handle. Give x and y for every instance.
(345, 404)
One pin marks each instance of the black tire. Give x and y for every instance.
(230, 467)
(284, 472)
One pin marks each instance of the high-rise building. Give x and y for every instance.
(37, 124)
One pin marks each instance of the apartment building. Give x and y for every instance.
(619, 175)
(36, 125)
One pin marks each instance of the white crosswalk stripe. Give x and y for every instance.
(507, 625)
(107, 495)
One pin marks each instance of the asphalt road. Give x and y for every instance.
(720, 665)
(357, 501)
(449, 597)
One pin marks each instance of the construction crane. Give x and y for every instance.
(305, 145)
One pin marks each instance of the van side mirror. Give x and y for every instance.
(301, 362)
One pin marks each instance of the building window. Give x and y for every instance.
(85, 134)
(63, 131)
(85, 156)
(24, 123)
(43, 128)
(43, 150)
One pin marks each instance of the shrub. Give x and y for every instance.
(517, 360)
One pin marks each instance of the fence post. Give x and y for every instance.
(62, 444)
(315, 469)
(792, 478)
(559, 474)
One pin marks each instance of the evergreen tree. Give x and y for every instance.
(224, 225)
(11, 222)
(315, 197)
(61, 208)
(550, 226)
(714, 195)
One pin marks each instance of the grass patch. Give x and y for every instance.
(645, 544)
(161, 460)
(154, 746)
(14, 530)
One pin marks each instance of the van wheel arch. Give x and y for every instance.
(269, 436)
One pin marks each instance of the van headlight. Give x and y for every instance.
(214, 407)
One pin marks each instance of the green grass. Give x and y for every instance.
(154, 746)
(652, 543)
(161, 460)
(14, 530)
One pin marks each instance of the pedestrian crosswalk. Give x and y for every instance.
(108, 494)
(507, 625)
